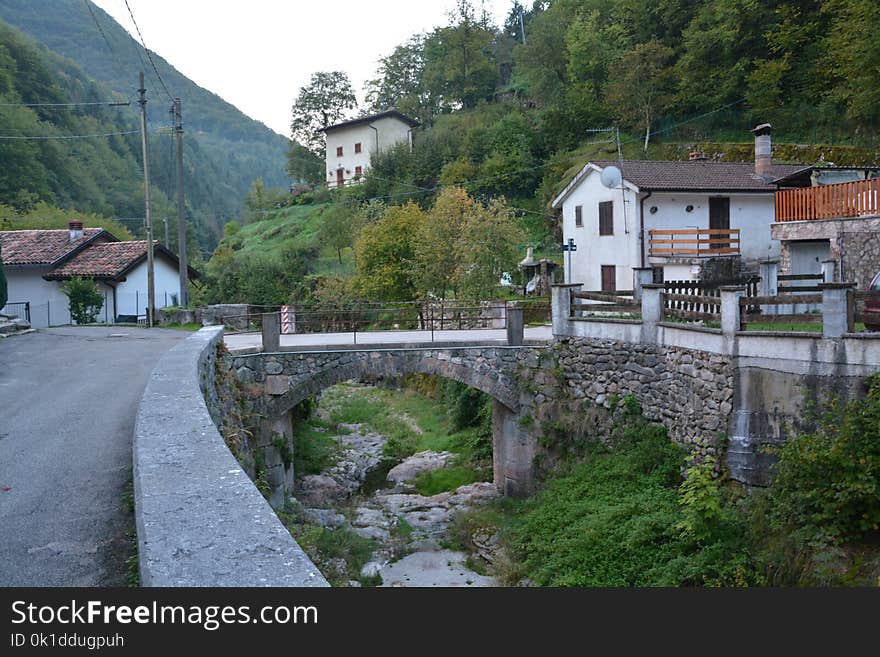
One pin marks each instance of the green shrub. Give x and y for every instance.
(829, 480)
(85, 298)
(447, 479)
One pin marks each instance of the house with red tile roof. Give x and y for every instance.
(37, 262)
(679, 218)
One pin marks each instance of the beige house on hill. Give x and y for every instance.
(351, 144)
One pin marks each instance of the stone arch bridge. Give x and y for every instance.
(279, 381)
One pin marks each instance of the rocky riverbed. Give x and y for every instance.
(362, 493)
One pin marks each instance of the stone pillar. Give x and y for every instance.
(561, 307)
(768, 270)
(513, 452)
(275, 446)
(641, 276)
(271, 332)
(731, 321)
(829, 271)
(837, 309)
(652, 311)
(515, 326)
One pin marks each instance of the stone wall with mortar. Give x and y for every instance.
(856, 241)
(689, 391)
(200, 520)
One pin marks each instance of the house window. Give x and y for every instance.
(339, 151)
(358, 172)
(609, 278)
(606, 218)
(357, 147)
(578, 216)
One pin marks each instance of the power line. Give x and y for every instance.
(149, 56)
(105, 103)
(49, 137)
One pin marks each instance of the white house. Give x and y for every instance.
(37, 262)
(350, 144)
(671, 216)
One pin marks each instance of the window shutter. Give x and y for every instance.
(606, 218)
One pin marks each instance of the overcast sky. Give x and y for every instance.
(256, 54)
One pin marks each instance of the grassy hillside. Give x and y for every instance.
(225, 149)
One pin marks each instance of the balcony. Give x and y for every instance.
(840, 200)
(694, 242)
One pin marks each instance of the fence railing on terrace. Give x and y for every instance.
(694, 242)
(859, 198)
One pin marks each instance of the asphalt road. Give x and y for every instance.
(68, 399)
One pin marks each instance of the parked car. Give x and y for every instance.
(872, 305)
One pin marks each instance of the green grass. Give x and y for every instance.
(191, 326)
(411, 422)
(448, 479)
(326, 546)
(313, 449)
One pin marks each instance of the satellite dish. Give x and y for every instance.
(611, 177)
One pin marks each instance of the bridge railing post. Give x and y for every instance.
(515, 327)
(271, 331)
(560, 306)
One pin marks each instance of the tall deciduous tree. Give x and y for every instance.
(384, 254)
(459, 66)
(490, 242)
(327, 99)
(641, 85)
(439, 240)
(400, 82)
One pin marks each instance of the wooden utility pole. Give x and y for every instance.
(181, 207)
(148, 224)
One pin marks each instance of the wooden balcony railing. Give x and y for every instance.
(694, 242)
(850, 199)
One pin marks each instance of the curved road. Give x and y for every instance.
(68, 399)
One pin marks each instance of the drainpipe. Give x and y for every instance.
(377, 137)
(409, 140)
(642, 227)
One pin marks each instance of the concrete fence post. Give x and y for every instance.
(837, 309)
(641, 276)
(271, 332)
(731, 321)
(768, 270)
(560, 309)
(515, 326)
(652, 311)
(829, 271)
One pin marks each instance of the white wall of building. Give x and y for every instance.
(131, 294)
(49, 306)
(390, 131)
(594, 250)
(751, 213)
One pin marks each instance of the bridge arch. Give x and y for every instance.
(288, 378)
(475, 372)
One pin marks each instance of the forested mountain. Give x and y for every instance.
(225, 150)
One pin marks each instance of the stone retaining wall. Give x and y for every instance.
(689, 391)
(200, 519)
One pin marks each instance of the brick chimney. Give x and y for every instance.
(76, 230)
(763, 150)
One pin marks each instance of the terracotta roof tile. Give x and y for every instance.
(107, 260)
(42, 247)
(698, 175)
